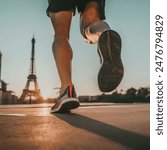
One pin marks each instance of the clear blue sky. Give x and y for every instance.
(21, 19)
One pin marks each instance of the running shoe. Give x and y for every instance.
(112, 70)
(66, 101)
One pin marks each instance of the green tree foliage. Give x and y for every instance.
(132, 95)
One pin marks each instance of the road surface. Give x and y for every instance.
(92, 126)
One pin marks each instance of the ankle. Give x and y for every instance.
(94, 30)
(64, 86)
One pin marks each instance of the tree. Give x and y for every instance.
(130, 95)
(143, 95)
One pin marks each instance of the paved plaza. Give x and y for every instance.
(93, 126)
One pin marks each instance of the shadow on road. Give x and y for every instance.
(126, 138)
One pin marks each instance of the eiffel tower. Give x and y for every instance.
(31, 95)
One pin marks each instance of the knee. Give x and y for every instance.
(60, 42)
(61, 34)
(61, 38)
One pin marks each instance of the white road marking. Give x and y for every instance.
(15, 115)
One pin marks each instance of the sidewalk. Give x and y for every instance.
(90, 127)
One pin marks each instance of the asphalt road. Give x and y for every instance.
(90, 127)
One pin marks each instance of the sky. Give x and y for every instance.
(20, 20)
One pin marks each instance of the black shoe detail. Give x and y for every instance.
(66, 101)
(111, 71)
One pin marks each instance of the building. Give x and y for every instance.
(6, 97)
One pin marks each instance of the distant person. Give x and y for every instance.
(95, 31)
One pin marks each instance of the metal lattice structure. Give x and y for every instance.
(31, 95)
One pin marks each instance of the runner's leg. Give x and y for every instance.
(62, 51)
(91, 24)
(94, 29)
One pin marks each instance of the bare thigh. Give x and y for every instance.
(61, 22)
(90, 14)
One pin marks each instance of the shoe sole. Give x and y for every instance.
(66, 105)
(111, 71)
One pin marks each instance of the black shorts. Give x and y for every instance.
(63, 5)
